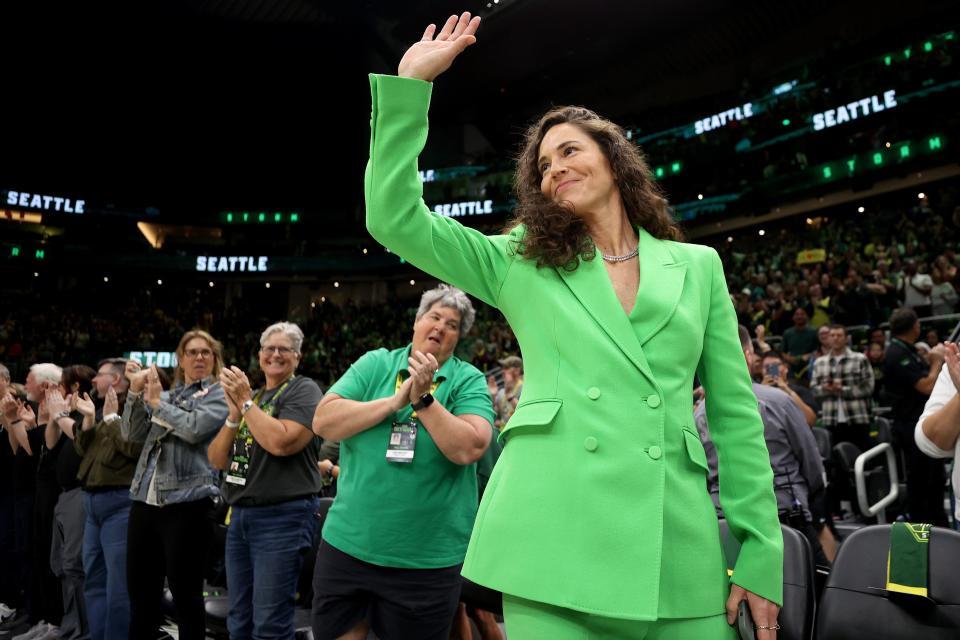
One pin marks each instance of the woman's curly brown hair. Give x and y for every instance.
(554, 235)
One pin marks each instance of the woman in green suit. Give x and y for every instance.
(596, 522)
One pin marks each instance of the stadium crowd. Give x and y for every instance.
(833, 340)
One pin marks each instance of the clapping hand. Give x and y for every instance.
(402, 397)
(153, 388)
(236, 385)
(10, 409)
(233, 411)
(110, 403)
(136, 374)
(25, 413)
(430, 57)
(422, 368)
(84, 405)
(951, 357)
(55, 403)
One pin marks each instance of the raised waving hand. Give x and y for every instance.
(431, 56)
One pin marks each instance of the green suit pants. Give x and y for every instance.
(531, 620)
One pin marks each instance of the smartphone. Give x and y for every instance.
(773, 370)
(745, 627)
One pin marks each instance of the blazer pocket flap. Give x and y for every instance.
(695, 449)
(532, 414)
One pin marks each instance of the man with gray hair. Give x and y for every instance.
(412, 423)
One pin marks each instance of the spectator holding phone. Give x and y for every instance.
(775, 375)
(843, 381)
(794, 458)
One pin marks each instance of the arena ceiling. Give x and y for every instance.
(199, 105)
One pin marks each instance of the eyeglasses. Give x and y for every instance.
(282, 351)
(196, 353)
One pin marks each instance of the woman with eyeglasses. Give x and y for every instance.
(269, 454)
(174, 484)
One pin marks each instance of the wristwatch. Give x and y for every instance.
(425, 401)
(245, 407)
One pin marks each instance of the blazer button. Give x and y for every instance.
(593, 393)
(590, 443)
(654, 452)
(653, 401)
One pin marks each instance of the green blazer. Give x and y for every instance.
(599, 501)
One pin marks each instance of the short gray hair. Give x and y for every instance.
(452, 298)
(47, 372)
(4, 373)
(288, 329)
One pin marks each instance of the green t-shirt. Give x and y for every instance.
(415, 515)
(797, 342)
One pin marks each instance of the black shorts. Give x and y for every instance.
(399, 604)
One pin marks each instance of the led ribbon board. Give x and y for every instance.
(163, 359)
(232, 264)
(458, 209)
(853, 110)
(44, 202)
(721, 119)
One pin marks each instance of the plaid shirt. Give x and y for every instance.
(856, 377)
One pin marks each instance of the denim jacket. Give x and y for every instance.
(178, 430)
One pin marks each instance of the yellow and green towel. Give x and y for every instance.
(907, 561)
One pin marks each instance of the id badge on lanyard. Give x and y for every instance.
(242, 454)
(243, 444)
(403, 441)
(403, 433)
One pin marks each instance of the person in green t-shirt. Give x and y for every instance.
(412, 424)
(799, 342)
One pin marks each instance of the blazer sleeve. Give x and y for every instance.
(397, 216)
(746, 479)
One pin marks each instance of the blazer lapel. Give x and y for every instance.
(661, 283)
(591, 285)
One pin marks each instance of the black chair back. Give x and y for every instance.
(799, 594)
(845, 455)
(882, 430)
(855, 603)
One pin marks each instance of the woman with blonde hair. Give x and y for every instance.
(169, 528)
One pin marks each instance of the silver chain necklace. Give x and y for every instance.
(623, 258)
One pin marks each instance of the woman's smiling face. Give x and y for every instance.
(574, 169)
